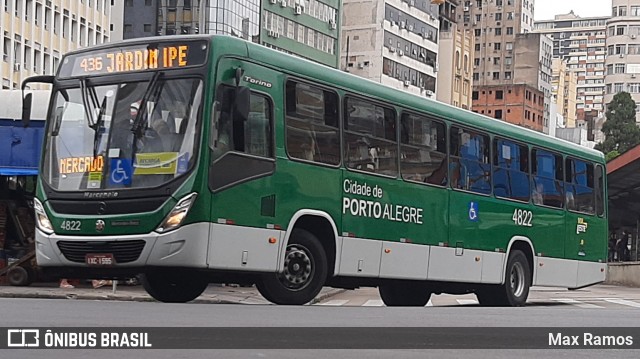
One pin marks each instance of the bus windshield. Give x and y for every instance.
(127, 135)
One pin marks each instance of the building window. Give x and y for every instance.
(497, 31)
(147, 27)
(496, 76)
(128, 28)
(128, 3)
(507, 75)
(497, 46)
(509, 30)
(499, 95)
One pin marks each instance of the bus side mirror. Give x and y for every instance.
(26, 109)
(242, 103)
(28, 98)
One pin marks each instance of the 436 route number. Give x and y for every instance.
(522, 217)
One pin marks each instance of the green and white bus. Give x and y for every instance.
(206, 159)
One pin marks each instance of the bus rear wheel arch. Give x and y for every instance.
(304, 275)
(515, 289)
(174, 286)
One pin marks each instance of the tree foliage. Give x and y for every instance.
(620, 129)
(611, 155)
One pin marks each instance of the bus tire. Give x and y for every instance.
(515, 290)
(304, 275)
(404, 294)
(174, 286)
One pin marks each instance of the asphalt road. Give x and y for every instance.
(75, 313)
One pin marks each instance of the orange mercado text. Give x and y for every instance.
(81, 164)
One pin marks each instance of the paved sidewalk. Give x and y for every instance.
(213, 294)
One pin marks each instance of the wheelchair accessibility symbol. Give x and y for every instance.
(473, 211)
(121, 171)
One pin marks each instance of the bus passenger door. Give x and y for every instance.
(241, 168)
(586, 233)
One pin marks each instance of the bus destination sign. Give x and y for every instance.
(156, 56)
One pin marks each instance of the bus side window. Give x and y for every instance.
(548, 184)
(511, 170)
(423, 156)
(579, 186)
(599, 182)
(370, 137)
(253, 136)
(469, 161)
(312, 124)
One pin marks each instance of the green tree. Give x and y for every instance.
(611, 155)
(620, 129)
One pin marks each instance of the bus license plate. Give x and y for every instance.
(101, 259)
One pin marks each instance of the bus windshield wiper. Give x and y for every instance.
(97, 126)
(138, 123)
(86, 96)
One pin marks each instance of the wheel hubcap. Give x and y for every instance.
(298, 268)
(517, 279)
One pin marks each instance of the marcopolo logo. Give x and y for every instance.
(23, 338)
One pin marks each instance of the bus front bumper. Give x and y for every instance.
(184, 247)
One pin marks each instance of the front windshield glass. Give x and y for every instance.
(132, 135)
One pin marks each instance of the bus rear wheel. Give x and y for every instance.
(174, 286)
(304, 275)
(404, 294)
(515, 290)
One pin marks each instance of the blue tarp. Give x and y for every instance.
(20, 147)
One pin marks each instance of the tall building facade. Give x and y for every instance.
(505, 71)
(455, 54)
(581, 42)
(36, 33)
(139, 18)
(454, 78)
(564, 85)
(306, 28)
(623, 50)
(394, 42)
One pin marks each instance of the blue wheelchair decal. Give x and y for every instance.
(121, 171)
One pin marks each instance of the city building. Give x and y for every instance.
(393, 42)
(564, 92)
(454, 78)
(139, 18)
(581, 42)
(36, 33)
(306, 28)
(623, 51)
(509, 64)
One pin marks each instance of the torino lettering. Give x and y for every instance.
(377, 210)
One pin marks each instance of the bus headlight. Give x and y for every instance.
(177, 215)
(44, 224)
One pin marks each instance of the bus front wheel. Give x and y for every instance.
(515, 290)
(174, 286)
(404, 294)
(304, 274)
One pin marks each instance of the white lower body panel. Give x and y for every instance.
(184, 247)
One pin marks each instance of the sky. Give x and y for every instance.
(547, 9)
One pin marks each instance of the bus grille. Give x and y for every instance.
(123, 251)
